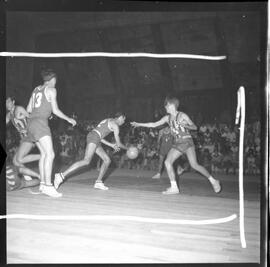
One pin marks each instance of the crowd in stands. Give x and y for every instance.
(216, 145)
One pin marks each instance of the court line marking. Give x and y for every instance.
(117, 218)
(240, 116)
(107, 54)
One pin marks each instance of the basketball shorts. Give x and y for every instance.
(13, 181)
(38, 128)
(26, 139)
(165, 148)
(182, 144)
(93, 138)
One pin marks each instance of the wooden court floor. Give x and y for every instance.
(134, 193)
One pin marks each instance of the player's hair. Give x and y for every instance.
(11, 98)
(48, 74)
(171, 100)
(119, 114)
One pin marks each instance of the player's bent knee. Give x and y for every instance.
(107, 161)
(167, 163)
(85, 161)
(17, 162)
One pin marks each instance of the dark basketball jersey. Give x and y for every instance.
(19, 124)
(12, 180)
(166, 138)
(103, 128)
(41, 107)
(177, 130)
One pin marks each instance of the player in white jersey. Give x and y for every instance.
(180, 125)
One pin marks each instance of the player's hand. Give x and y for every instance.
(134, 124)
(116, 148)
(72, 121)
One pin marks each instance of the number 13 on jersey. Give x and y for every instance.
(37, 97)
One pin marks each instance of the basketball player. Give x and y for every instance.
(41, 105)
(94, 140)
(180, 125)
(15, 182)
(18, 116)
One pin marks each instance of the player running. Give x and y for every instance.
(94, 140)
(180, 125)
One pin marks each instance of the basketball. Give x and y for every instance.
(132, 152)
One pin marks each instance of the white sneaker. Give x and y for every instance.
(58, 179)
(27, 177)
(216, 186)
(100, 185)
(156, 176)
(49, 190)
(171, 191)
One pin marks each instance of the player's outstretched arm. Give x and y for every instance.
(114, 146)
(162, 121)
(52, 95)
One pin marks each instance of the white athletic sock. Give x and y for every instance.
(211, 179)
(173, 184)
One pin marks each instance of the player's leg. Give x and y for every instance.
(191, 155)
(89, 152)
(31, 183)
(47, 146)
(18, 163)
(160, 166)
(19, 157)
(170, 159)
(22, 153)
(41, 166)
(106, 161)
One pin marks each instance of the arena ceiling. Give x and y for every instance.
(235, 34)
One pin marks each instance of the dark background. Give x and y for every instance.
(96, 87)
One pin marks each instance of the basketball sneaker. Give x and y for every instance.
(100, 185)
(156, 176)
(216, 186)
(171, 191)
(49, 190)
(58, 179)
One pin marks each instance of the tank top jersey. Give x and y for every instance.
(177, 130)
(19, 124)
(41, 106)
(103, 128)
